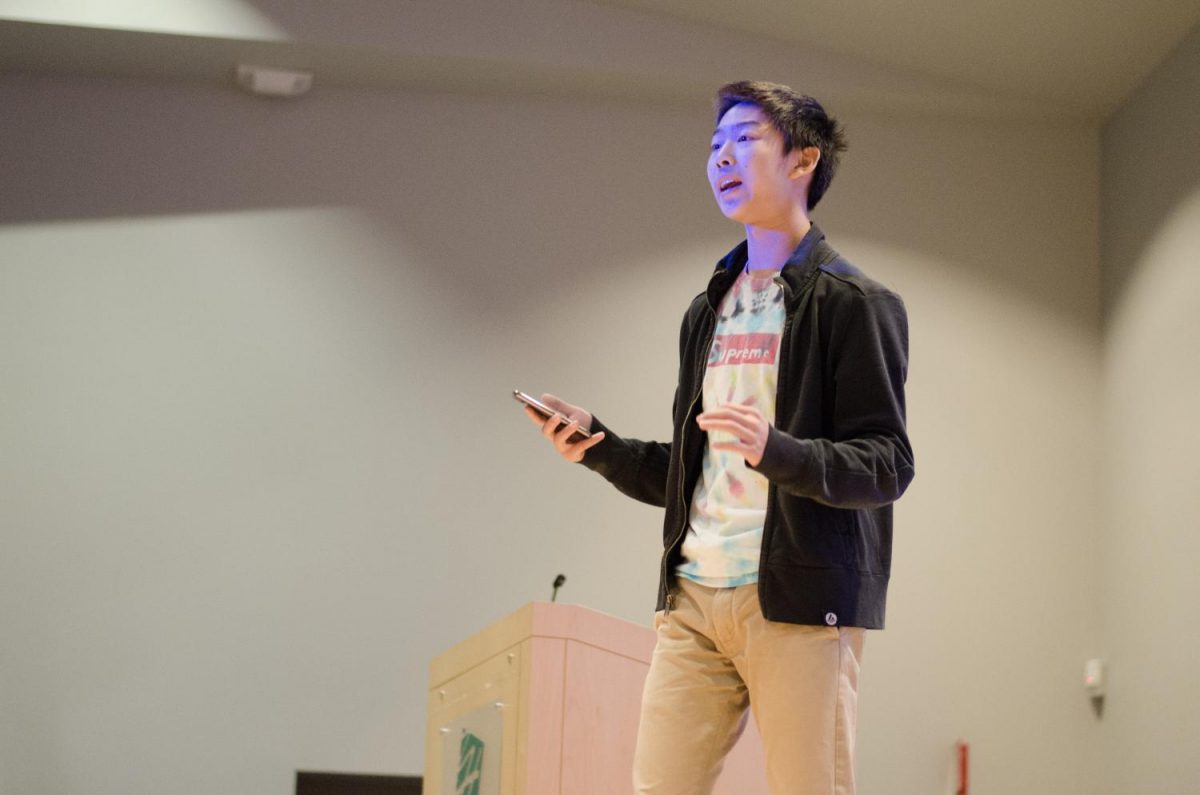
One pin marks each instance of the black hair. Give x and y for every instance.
(801, 120)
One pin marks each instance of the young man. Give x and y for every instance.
(789, 448)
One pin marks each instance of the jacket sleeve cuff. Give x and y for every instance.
(599, 453)
(786, 459)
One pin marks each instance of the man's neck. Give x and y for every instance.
(768, 249)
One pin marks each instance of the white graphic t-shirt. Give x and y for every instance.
(729, 505)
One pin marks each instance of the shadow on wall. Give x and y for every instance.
(505, 191)
(1141, 191)
(1149, 164)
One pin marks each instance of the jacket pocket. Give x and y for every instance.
(810, 534)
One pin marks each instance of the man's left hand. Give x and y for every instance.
(746, 424)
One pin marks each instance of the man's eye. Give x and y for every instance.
(743, 137)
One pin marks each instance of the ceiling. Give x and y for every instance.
(1068, 59)
(1090, 53)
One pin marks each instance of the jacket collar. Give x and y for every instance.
(810, 253)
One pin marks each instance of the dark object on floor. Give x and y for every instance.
(354, 784)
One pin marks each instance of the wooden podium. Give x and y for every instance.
(545, 702)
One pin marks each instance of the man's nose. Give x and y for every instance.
(723, 156)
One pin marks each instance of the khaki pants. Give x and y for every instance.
(715, 655)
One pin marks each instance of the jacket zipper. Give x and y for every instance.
(670, 600)
(779, 387)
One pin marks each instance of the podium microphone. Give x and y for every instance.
(558, 581)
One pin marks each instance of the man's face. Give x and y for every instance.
(761, 185)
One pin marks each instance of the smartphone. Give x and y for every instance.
(547, 412)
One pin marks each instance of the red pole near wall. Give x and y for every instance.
(963, 753)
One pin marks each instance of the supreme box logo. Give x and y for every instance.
(743, 349)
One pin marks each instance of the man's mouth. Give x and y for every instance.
(728, 184)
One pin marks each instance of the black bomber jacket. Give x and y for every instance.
(837, 455)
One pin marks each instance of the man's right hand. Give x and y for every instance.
(559, 433)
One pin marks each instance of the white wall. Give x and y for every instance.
(1152, 379)
(992, 608)
(261, 465)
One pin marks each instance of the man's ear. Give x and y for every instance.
(806, 161)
